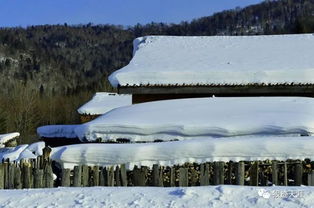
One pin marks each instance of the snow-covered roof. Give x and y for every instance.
(226, 60)
(4, 138)
(179, 152)
(24, 151)
(57, 131)
(198, 117)
(103, 102)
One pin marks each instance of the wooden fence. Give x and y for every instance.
(39, 173)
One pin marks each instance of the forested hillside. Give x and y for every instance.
(47, 71)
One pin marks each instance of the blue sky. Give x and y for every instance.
(122, 12)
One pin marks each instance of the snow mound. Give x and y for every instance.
(103, 102)
(180, 152)
(57, 131)
(22, 152)
(4, 138)
(219, 60)
(206, 196)
(198, 117)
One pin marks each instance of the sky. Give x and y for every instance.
(119, 12)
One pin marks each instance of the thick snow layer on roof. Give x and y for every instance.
(179, 152)
(103, 102)
(57, 131)
(22, 151)
(157, 197)
(211, 117)
(219, 60)
(7, 137)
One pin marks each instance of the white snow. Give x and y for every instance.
(203, 117)
(4, 138)
(143, 197)
(57, 131)
(103, 102)
(226, 60)
(180, 152)
(22, 152)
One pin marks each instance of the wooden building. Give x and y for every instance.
(170, 67)
(101, 103)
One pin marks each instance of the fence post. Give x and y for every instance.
(310, 178)
(139, 176)
(157, 176)
(17, 177)
(204, 174)
(124, 179)
(96, 176)
(1, 175)
(6, 175)
(117, 176)
(254, 174)
(110, 176)
(77, 176)
(285, 173)
(48, 175)
(183, 177)
(219, 173)
(85, 176)
(65, 178)
(38, 177)
(240, 173)
(172, 177)
(274, 167)
(298, 173)
(26, 175)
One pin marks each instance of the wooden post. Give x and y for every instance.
(310, 178)
(254, 174)
(240, 173)
(285, 173)
(183, 177)
(26, 175)
(274, 167)
(229, 176)
(96, 176)
(65, 178)
(11, 175)
(172, 177)
(17, 178)
(38, 178)
(298, 173)
(110, 176)
(139, 176)
(1, 176)
(48, 175)
(117, 176)
(157, 176)
(219, 173)
(194, 179)
(85, 176)
(6, 175)
(103, 177)
(204, 174)
(77, 176)
(124, 179)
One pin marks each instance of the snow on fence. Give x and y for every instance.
(39, 173)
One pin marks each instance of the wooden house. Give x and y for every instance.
(170, 67)
(101, 103)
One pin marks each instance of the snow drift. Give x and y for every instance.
(203, 117)
(180, 152)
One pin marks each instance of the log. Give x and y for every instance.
(110, 176)
(298, 173)
(65, 178)
(96, 176)
(274, 167)
(117, 176)
(124, 179)
(285, 173)
(26, 175)
(139, 176)
(38, 178)
(204, 174)
(157, 176)
(48, 175)
(1, 175)
(219, 173)
(17, 178)
(254, 174)
(11, 167)
(172, 177)
(183, 177)
(240, 173)
(77, 176)
(85, 176)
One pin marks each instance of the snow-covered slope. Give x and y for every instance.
(211, 117)
(181, 60)
(103, 102)
(144, 197)
(57, 131)
(180, 152)
(7, 137)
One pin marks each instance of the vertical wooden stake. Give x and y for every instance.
(240, 173)
(298, 173)
(65, 178)
(254, 174)
(183, 177)
(124, 179)
(77, 176)
(274, 167)
(204, 174)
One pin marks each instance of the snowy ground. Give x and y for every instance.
(209, 196)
